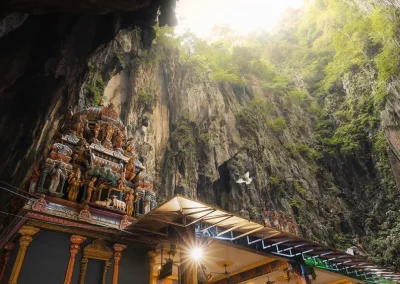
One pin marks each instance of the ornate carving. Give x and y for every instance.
(34, 179)
(75, 240)
(40, 204)
(97, 250)
(85, 215)
(27, 232)
(118, 248)
(109, 164)
(124, 222)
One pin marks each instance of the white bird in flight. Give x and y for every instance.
(246, 179)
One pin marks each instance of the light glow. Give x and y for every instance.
(196, 253)
(243, 17)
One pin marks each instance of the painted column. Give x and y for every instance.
(9, 247)
(117, 257)
(27, 232)
(75, 240)
(152, 261)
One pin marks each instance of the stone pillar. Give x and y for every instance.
(9, 247)
(152, 261)
(75, 240)
(27, 232)
(117, 257)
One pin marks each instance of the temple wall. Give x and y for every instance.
(47, 259)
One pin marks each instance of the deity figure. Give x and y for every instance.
(124, 222)
(55, 175)
(275, 219)
(109, 131)
(90, 189)
(129, 199)
(147, 199)
(96, 131)
(79, 128)
(40, 204)
(73, 188)
(121, 182)
(130, 150)
(85, 214)
(79, 156)
(34, 179)
(283, 222)
(267, 215)
(130, 171)
(119, 139)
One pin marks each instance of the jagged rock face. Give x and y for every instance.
(44, 64)
(193, 141)
(194, 135)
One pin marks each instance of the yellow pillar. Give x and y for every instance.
(75, 240)
(152, 261)
(27, 232)
(9, 247)
(117, 257)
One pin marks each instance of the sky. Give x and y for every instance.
(243, 16)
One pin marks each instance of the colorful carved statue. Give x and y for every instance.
(96, 131)
(130, 171)
(73, 188)
(119, 139)
(267, 217)
(79, 156)
(84, 215)
(109, 133)
(146, 204)
(121, 182)
(129, 199)
(34, 179)
(79, 128)
(56, 175)
(90, 189)
(275, 219)
(40, 204)
(283, 222)
(130, 150)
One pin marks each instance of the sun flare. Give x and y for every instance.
(201, 16)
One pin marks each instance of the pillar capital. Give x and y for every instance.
(75, 240)
(27, 232)
(118, 248)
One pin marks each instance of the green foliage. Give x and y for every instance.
(297, 150)
(183, 135)
(300, 189)
(275, 179)
(383, 164)
(146, 98)
(277, 125)
(95, 86)
(298, 97)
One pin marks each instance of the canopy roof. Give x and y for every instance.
(215, 223)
